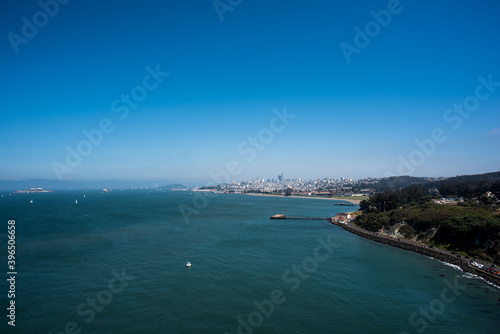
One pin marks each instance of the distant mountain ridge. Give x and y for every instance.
(174, 187)
(492, 177)
(398, 182)
(8, 185)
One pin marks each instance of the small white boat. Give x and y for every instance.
(76, 201)
(188, 264)
(31, 201)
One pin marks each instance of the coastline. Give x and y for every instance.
(352, 201)
(435, 253)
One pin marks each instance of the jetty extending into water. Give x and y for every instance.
(282, 216)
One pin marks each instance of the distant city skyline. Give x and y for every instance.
(192, 93)
(297, 183)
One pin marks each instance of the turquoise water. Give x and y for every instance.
(115, 263)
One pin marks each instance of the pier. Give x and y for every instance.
(282, 216)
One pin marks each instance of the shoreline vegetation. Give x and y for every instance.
(457, 222)
(468, 226)
(409, 240)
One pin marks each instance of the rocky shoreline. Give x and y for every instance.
(438, 254)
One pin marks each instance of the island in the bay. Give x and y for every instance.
(33, 190)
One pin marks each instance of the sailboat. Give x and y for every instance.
(31, 201)
(76, 201)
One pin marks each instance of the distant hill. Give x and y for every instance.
(492, 177)
(467, 185)
(174, 187)
(396, 183)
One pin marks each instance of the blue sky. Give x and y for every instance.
(353, 119)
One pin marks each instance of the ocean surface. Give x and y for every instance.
(116, 263)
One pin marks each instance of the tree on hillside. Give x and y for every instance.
(407, 231)
(495, 189)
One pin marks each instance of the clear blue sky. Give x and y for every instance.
(353, 119)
